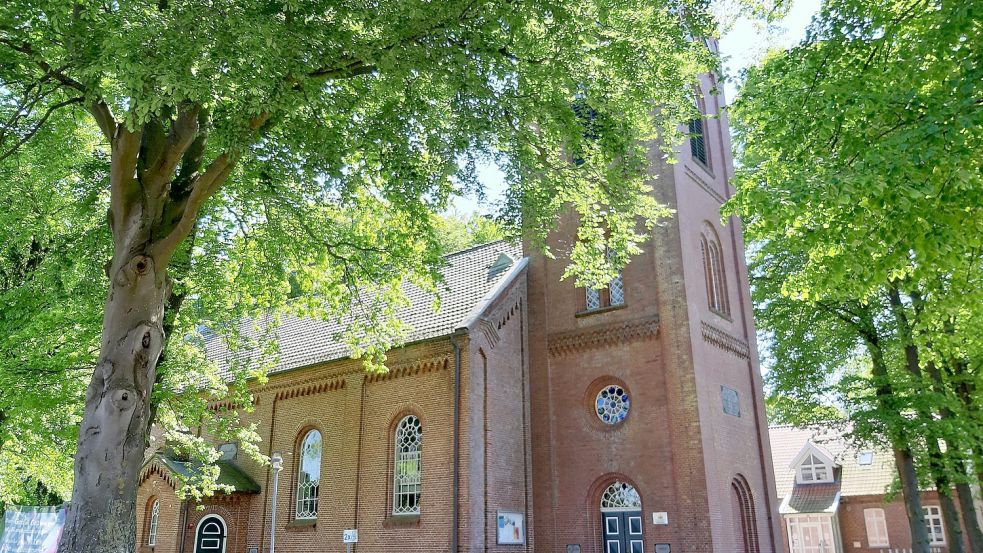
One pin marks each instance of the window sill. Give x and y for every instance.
(706, 168)
(401, 521)
(599, 310)
(722, 315)
(302, 524)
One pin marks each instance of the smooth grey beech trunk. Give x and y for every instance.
(112, 438)
(157, 186)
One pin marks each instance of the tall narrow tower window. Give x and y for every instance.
(713, 272)
(611, 296)
(697, 136)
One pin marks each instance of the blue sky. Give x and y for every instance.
(742, 45)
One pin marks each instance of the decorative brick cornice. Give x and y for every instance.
(724, 340)
(488, 330)
(302, 390)
(156, 468)
(566, 343)
(703, 184)
(411, 369)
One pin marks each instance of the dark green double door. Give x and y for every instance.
(622, 531)
(210, 536)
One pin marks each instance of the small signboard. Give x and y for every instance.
(662, 548)
(573, 548)
(511, 528)
(349, 536)
(660, 518)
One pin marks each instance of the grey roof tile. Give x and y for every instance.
(469, 276)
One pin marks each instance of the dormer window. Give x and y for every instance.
(814, 470)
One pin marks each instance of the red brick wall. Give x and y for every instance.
(155, 486)
(357, 414)
(677, 446)
(499, 445)
(854, 530)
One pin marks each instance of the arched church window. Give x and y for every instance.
(620, 496)
(407, 467)
(309, 475)
(713, 269)
(152, 528)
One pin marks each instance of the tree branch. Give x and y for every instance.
(51, 109)
(203, 187)
(97, 107)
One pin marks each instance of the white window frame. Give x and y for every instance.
(308, 490)
(933, 517)
(876, 523)
(154, 519)
(812, 469)
(408, 451)
(828, 534)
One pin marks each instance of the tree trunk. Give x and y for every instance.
(943, 485)
(920, 542)
(903, 458)
(113, 434)
(157, 187)
(970, 520)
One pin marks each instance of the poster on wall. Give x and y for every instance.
(511, 528)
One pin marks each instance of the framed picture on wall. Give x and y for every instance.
(511, 528)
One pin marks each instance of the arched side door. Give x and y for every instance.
(211, 534)
(621, 519)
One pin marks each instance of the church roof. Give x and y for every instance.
(852, 477)
(469, 277)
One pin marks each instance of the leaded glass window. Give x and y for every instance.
(615, 293)
(407, 467)
(620, 497)
(309, 475)
(152, 530)
(612, 404)
(593, 298)
(617, 290)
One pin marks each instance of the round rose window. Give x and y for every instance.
(612, 404)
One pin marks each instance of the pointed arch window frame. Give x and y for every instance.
(714, 272)
(153, 523)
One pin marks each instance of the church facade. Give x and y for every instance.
(526, 415)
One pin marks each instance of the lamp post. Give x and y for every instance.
(277, 461)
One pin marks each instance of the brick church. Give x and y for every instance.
(526, 415)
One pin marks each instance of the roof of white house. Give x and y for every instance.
(851, 477)
(469, 278)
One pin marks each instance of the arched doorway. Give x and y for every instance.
(621, 519)
(210, 535)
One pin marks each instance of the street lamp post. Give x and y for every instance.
(277, 461)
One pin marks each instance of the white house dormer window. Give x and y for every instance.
(814, 470)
